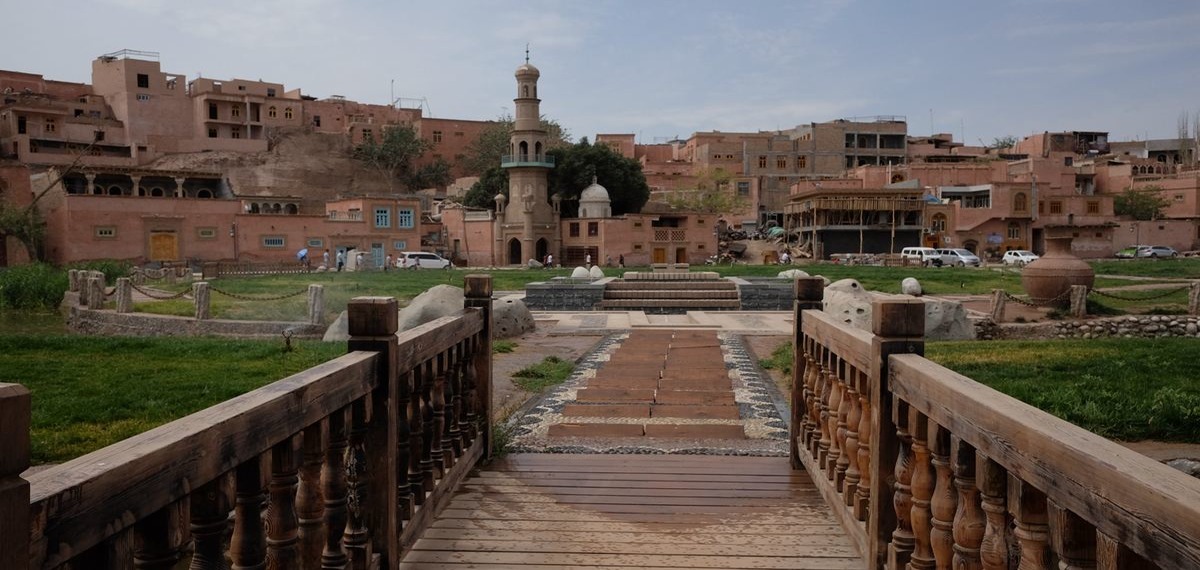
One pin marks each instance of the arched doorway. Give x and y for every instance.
(542, 249)
(971, 245)
(514, 252)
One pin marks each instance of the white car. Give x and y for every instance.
(421, 260)
(1019, 257)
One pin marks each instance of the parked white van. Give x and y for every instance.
(925, 255)
(959, 257)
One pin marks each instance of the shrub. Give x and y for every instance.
(112, 269)
(33, 287)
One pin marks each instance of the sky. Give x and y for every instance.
(667, 69)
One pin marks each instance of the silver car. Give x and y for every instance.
(1157, 251)
(959, 257)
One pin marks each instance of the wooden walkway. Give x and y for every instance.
(548, 511)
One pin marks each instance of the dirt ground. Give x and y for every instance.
(531, 349)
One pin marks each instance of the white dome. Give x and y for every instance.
(594, 193)
(527, 70)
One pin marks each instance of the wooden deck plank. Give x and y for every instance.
(626, 511)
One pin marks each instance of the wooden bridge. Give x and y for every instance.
(373, 460)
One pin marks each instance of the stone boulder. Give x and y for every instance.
(595, 272)
(792, 274)
(849, 302)
(511, 318)
(535, 264)
(910, 286)
(580, 273)
(339, 331)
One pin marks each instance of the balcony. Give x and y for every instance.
(515, 160)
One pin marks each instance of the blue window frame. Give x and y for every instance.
(404, 218)
(383, 217)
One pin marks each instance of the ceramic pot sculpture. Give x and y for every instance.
(1051, 276)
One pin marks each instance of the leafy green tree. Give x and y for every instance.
(432, 175)
(484, 153)
(482, 195)
(394, 155)
(1006, 141)
(1140, 204)
(575, 166)
(712, 194)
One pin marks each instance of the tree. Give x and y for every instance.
(432, 175)
(394, 155)
(483, 193)
(712, 194)
(1006, 141)
(575, 166)
(1140, 204)
(493, 142)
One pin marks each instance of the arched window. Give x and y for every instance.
(537, 150)
(157, 192)
(114, 190)
(292, 209)
(1020, 202)
(271, 112)
(204, 193)
(938, 223)
(287, 112)
(897, 178)
(1014, 230)
(253, 208)
(524, 151)
(277, 208)
(525, 90)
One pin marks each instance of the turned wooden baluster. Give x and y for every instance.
(416, 439)
(835, 404)
(944, 502)
(814, 408)
(922, 492)
(333, 479)
(210, 519)
(811, 431)
(159, 538)
(901, 546)
(851, 473)
(808, 295)
(356, 537)
(310, 505)
(438, 400)
(428, 436)
(992, 481)
(826, 393)
(968, 517)
(248, 545)
(1074, 539)
(1028, 508)
(454, 406)
(282, 525)
(843, 428)
(471, 395)
(862, 495)
(450, 444)
(1112, 555)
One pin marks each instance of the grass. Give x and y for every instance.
(89, 392)
(1179, 268)
(551, 371)
(781, 360)
(1123, 389)
(503, 346)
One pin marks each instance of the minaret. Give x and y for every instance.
(530, 219)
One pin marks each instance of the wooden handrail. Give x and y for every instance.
(1122, 493)
(926, 468)
(353, 456)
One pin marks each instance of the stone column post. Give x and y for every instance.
(73, 280)
(1194, 299)
(316, 304)
(1079, 301)
(95, 288)
(179, 187)
(201, 296)
(14, 491)
(137, 185)
(124, 295)
(91, 183)
(998, 300)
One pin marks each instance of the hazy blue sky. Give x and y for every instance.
(666, 69)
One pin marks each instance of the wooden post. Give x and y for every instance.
(14, 491)
(124, 295)
(999, 298)
(95, 295)
(899, 328)
(1194, 299)
(810, 291)
(373, 322)
(316, 304)
(202, 299)
(1079, 301)
(478, 295)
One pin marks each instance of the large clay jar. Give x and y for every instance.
(1054, 273)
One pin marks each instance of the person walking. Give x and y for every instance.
(325, 259)
(621, 260)
(549, 260)
(587, 261)
(387, 263)
(341, 259)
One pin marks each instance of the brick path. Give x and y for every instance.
(657, 374)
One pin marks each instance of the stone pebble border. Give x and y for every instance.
(761, 410)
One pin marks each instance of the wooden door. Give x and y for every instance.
(164, 246)
(660, 255)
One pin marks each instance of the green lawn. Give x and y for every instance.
(89, 392)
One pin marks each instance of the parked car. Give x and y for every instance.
(421, 260)
(925, 255)
(1129, 252)
(959, 257)
(1019, 257)
(1156, 251)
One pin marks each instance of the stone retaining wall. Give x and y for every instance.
(562, 294)
(765, 294)
(1137, 326)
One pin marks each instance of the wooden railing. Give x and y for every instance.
(927, 468)
(339, 466)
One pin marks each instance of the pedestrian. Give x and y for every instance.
(549, 260)
(608, 261)
(387, 264)
(341, 259)
(621, 260)
(587, 261)
(358, 261)
(325, 259)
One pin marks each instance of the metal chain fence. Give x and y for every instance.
(1158, 295)
(1037, 304)
(156, 295)
(248, 298)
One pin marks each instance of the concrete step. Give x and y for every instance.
(664, 285)
(641, 304)
(674, 294)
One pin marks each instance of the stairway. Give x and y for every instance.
(675, 292)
